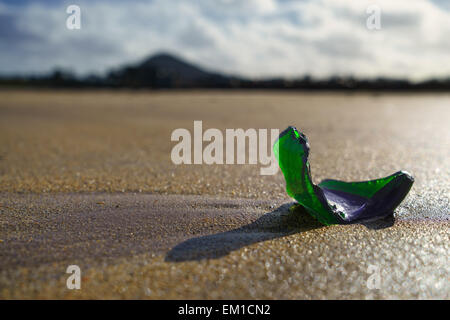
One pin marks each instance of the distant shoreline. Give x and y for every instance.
(165, 71)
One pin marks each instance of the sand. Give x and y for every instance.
(86, 179)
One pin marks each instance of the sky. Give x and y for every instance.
(251, 38)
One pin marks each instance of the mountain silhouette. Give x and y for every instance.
(166, 71)
(174, 67)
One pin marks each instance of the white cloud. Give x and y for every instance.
(257, 38)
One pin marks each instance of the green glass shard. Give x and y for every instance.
(333, 201)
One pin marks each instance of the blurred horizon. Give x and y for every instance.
(252, 39)
(168, 71)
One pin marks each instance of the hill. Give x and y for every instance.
(166, 71)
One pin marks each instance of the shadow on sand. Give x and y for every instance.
(281, 222)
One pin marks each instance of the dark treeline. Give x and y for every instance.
(164, 71)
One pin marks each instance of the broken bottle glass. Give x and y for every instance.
(334, 201)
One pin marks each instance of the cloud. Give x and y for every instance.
(10, 31)
(257, 38)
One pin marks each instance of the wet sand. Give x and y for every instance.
(86, 179)
(153, 246)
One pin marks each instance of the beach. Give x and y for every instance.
(86, 178)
